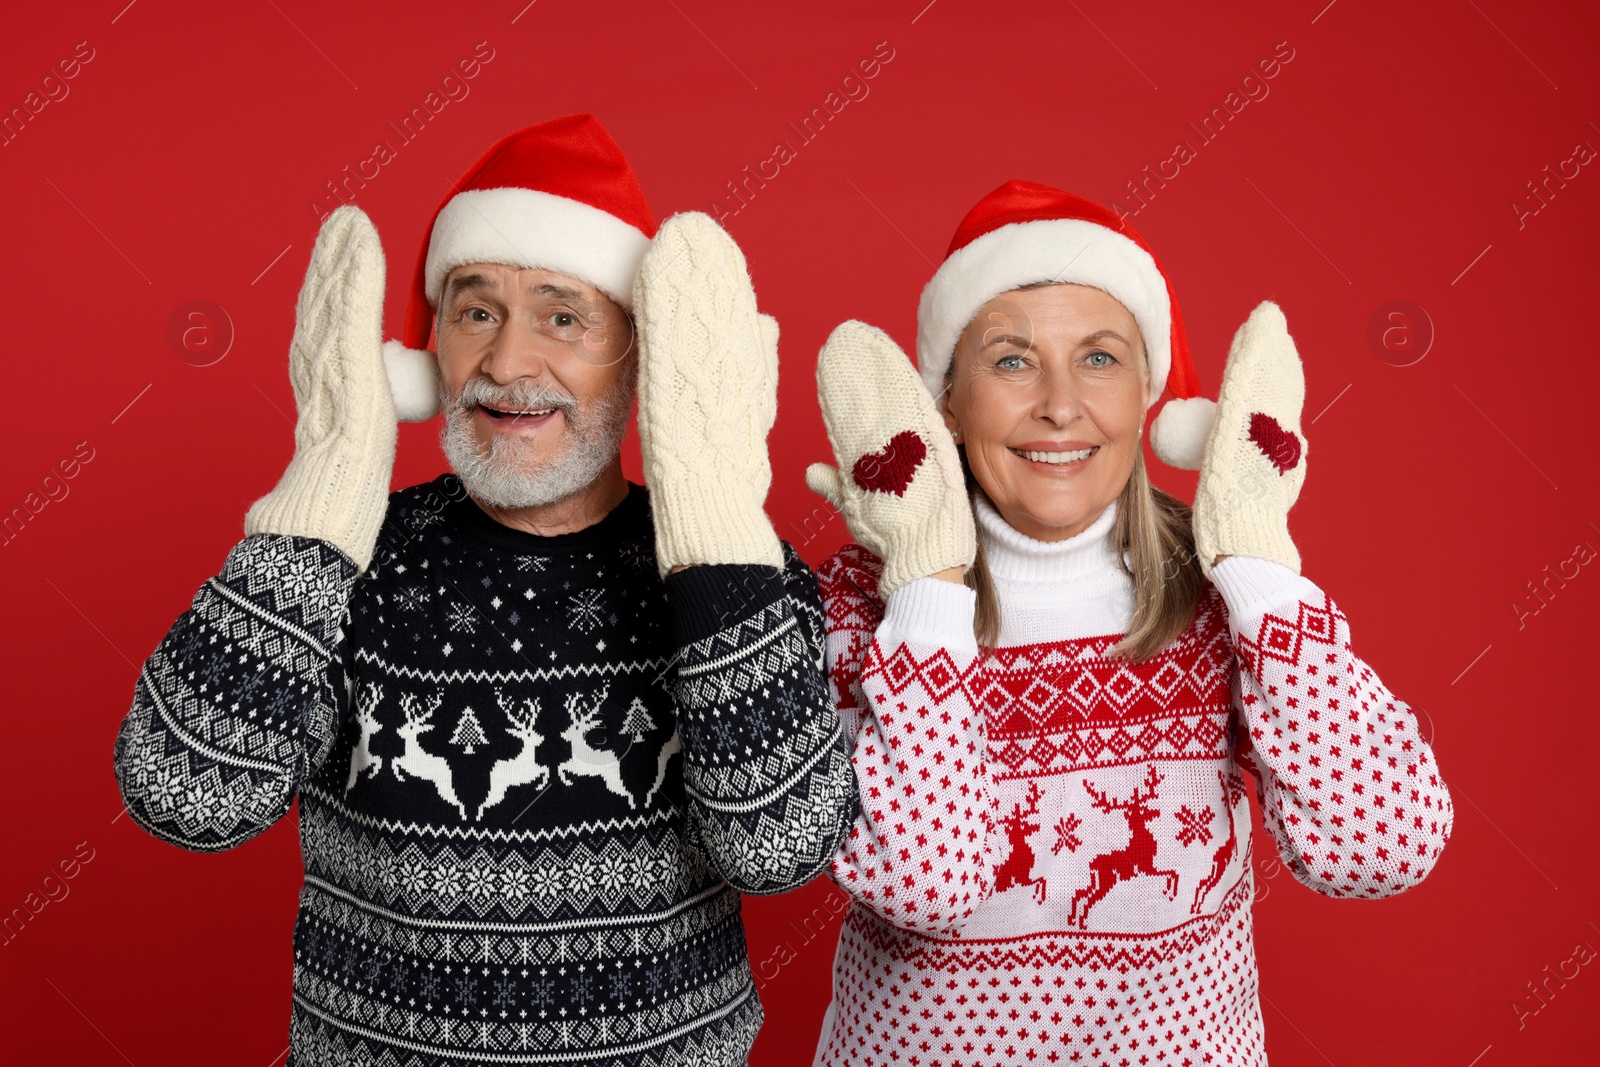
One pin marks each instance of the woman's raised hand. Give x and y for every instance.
(899, 484)
(1255, 457)
(336, 487)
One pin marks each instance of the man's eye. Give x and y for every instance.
(472, 313)
(564, 319)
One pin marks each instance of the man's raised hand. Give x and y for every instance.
(708, 396)
(336, 487)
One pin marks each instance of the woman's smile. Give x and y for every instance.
(1055, 457)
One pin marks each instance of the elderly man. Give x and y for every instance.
(544, 725)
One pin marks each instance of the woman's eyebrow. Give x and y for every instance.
(1100, 335)
(1009, 339)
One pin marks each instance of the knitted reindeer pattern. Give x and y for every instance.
(1052, 860)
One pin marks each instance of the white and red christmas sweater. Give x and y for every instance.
(1052, 859)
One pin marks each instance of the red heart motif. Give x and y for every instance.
(1280, 446)
(891, 468)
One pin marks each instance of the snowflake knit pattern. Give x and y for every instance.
(1052, 859)
(533, 779)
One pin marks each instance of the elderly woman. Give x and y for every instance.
(1054, 673)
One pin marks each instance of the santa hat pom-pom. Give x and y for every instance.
(1179, 433)
(413, 381)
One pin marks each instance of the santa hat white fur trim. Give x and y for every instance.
(413, 381)
(1043, 250)
(529, 228)
(1178, 434)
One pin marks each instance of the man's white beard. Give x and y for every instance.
(509, 476)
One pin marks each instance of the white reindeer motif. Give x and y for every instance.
(417, 761)
(361, 757)
(585, 758)
(523, 768)
(670, 746)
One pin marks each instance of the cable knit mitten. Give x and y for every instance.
(905, 498)
(336, 487)
(1255, 457)
(708, 395)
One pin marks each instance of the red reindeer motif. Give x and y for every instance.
(1018, 866)
(1232, 789)
(1136, 858)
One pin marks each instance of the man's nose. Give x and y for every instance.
(516, 351)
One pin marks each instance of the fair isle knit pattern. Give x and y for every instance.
(1052, 859)
(533, 779)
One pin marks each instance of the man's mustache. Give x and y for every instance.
(481, 391)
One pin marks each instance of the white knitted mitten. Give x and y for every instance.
(336, 487)
(905, 498)
(1255, 457)
(708, 395)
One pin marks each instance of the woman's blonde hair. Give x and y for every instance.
(1154, 531)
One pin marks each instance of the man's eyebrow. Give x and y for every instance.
(559, 292)
(462, 283)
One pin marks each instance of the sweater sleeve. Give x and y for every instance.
(1348, 786)
(242, 699)
(769, 785)
(920, 852)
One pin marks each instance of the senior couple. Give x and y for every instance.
(546, 725)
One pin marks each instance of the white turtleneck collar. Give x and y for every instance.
(1015, 557)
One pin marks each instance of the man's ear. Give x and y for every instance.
(943, 400)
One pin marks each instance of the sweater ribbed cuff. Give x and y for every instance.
(705, 599)
(1248, 584)
(932, 611)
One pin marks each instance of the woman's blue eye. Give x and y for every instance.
(1009, 362)
(1101, 359)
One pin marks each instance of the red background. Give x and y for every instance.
(1381, 166)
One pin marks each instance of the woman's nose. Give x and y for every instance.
(1057, 397)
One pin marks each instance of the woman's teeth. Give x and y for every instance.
(1058, 457)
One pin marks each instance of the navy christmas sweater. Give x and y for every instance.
(533, 777)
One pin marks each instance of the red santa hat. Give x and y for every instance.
(557, 195)
(1024, 232)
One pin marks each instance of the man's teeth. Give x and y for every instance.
(1057, 457)
(520, 411)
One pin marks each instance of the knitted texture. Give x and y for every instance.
(708, 395)
(533, 778)
(1255, 457)
(1052, 862)
(903, 495)
(336, 486)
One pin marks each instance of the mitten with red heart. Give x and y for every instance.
(899, 484)
(1255, 457)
